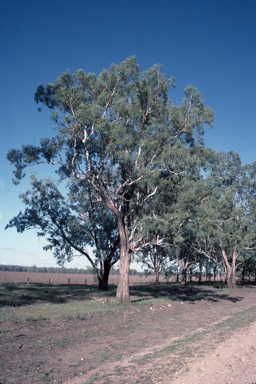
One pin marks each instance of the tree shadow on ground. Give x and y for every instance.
(16, 295)
(190, 293)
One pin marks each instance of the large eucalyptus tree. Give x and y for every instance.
(116, 132)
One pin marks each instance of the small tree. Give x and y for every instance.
(225, 222)
(155, 258)
(70, 224)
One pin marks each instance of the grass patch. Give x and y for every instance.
(236, 321)
(151, 301)
(17, 295)
(42, 302)
(19, 302)
(78, 301)
(239, 319)
(66, 311)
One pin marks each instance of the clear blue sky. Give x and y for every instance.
(210, 44)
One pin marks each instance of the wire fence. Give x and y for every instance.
(12, 277)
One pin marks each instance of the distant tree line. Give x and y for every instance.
(34, 268)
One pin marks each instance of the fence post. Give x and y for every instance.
(28, 281)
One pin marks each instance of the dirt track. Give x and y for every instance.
(232, 361)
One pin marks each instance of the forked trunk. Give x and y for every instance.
(230, 268)
(157, 273)
(231, 278)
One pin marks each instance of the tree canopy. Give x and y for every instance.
(138, 177)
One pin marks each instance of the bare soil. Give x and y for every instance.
(68, 278)
(195, 334)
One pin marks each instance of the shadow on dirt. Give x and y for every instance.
(190, 293)
(17, 295)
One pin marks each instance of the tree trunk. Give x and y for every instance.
(157, 273)
(102, 284)
(184, 277)
(123, 290)
(190, 275)
(123, 222)
(200, 273)
(230, 268)
(231, 278)
(207, 270)
(103, 278)
(214, 273)
(243, 276)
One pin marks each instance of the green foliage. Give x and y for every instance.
(120, 136)
(70, 224)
